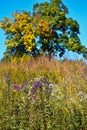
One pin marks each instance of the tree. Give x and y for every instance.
(48, 30)
(20, 33)
(56, 31)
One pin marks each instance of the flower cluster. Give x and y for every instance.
(43, 85)
(37, 84)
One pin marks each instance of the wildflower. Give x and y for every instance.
(43, 85)
(45, 80)
(37, 84)
(17, 87)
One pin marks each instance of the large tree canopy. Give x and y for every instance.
(47, 30)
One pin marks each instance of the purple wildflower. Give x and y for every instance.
(48, 90)
(37, 84)
(33, 90)
(18, 87)
(43, 85)
(45, 80)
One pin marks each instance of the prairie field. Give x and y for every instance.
(38, 94)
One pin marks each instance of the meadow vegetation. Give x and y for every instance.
(38, 94)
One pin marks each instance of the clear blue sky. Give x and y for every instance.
(77, 10)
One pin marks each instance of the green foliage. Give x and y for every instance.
(48, 30)
(60, 33)
(38, 94)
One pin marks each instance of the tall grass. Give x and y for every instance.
(38, 94)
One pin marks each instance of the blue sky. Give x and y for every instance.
(77, 10)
